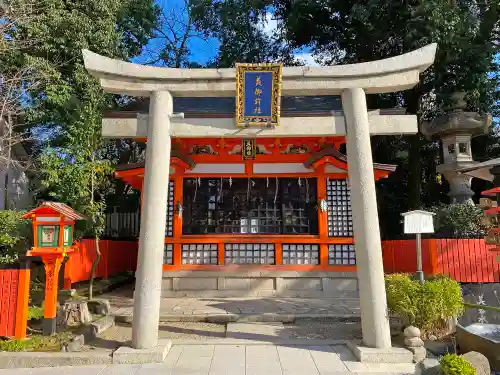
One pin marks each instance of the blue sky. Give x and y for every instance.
(202, 51)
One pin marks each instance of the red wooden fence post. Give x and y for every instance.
(433, 256)
(67, 272)
(23, 292)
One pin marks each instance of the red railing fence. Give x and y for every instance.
(116, 257)
(465, 260)
(14, 294)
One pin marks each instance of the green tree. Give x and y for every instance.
(76, 174)
(353, 31)
(240, 26)
(55, 36)
(65, 110)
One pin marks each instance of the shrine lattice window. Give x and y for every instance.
(339, 208)
(250, 206)
(169, 225)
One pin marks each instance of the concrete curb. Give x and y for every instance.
(282, 342)
(47, 359)
(123, 355)
(244, 318)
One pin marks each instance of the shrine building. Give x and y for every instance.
(263, 217)
(258, 180)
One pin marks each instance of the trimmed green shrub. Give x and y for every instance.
(427, 306)
(452, 364)
(35, 312)
(459, 220)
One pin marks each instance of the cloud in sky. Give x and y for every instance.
(307, 58)
(269, 25)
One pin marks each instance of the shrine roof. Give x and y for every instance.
(55, 207)
(327, 152)
(331, 151)
(227, 105)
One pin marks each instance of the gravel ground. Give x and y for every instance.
(120, 335)
(325, 331)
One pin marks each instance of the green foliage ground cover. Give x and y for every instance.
(427, 306)
(453, 364)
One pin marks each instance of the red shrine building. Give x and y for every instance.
(256, 216)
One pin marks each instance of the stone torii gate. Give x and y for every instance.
(352, 82)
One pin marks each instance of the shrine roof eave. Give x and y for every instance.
(55, 208)
(330, 151)
(388, 75)
(139, 167)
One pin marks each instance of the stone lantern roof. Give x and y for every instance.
(457, 121)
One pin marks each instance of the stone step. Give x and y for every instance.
(244, 318)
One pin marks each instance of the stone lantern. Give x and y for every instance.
(455, 130)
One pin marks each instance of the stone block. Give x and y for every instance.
(413, 342)
(167, 284)
(300, 284)
(103, 324)
(74, 345)
(128, 355)
(226, 283)
(262, 284)
(411, 332)
(479, 362)
(419, 353)
(195, 283)
(429, 366)
(376, 355)
(338, 287)
(99, 306)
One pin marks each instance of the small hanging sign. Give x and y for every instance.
(248, 149)
(258, 94)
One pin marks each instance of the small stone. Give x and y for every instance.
(99, 306)
(429, 366)
(414, 342)
(75, 344)
(411, 331)
(419, 353)
(479, 362)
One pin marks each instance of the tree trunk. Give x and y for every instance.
(94, 266)
(412, 98)
(414, 173)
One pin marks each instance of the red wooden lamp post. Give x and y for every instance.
(53, 228)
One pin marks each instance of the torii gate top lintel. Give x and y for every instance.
(382, 76)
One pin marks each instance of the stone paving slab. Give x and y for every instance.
(251, 331)
(238, 360)
(237, 309)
